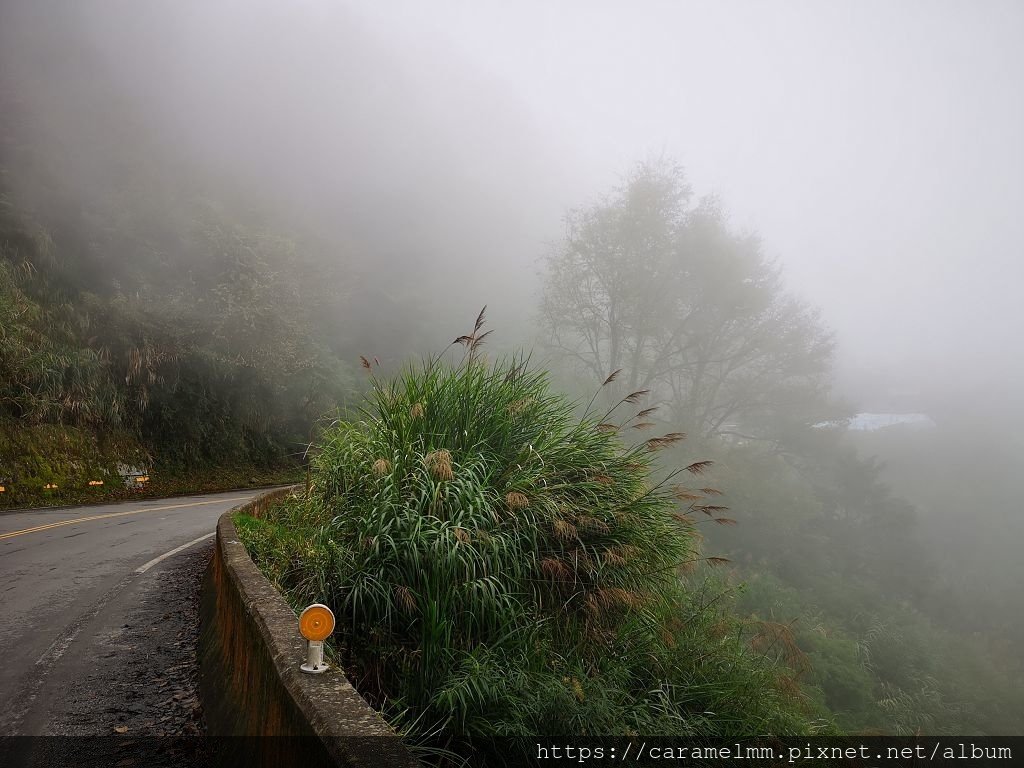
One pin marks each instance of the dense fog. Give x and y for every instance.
(399, 165)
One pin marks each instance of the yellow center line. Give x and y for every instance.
(115, 514)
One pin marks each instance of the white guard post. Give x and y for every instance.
(316, 623)
(314, 658)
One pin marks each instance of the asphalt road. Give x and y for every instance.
(69, 578)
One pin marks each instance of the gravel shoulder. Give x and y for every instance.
(126, 691)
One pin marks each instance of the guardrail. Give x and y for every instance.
(260, 709)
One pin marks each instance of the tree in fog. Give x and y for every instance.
(656, 284)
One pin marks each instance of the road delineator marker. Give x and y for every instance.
(315, 624)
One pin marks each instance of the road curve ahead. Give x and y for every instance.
(69, 576)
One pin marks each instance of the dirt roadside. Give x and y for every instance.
(127, 696)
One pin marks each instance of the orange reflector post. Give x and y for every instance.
(316, 622)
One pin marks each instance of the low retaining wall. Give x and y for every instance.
(260, 709)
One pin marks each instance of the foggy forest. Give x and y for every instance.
(756, 258)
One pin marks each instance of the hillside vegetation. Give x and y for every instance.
(198, 359)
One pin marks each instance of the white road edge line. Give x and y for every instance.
(176, 550)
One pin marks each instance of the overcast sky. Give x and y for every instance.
(878, 147)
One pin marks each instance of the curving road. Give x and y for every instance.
(68, 579)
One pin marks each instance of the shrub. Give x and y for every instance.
(501, 567)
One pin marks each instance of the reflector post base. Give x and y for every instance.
(315, 663)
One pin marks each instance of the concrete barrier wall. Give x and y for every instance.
(260, 709)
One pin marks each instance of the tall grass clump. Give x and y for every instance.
(500, 567)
